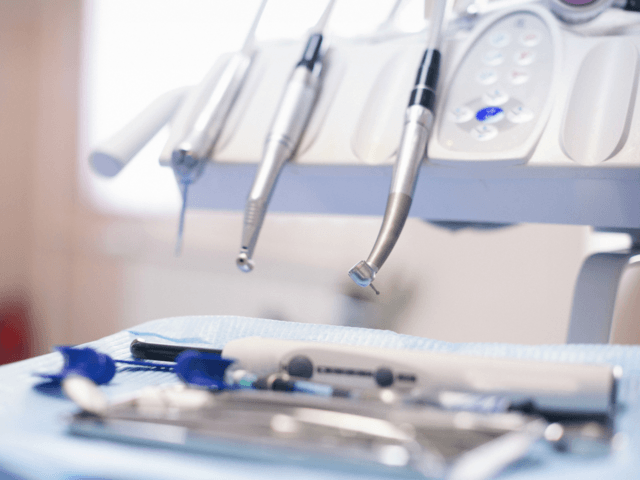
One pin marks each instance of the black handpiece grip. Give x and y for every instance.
(162, 352)
(633, 5)
(424, 92)
(311, 52)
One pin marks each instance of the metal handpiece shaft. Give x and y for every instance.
(191, 154)
(418, 122)
(210, 120)
(292, 116)
(205, 115)
(215, 98)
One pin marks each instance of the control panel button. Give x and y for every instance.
(484, 132)
(495, 97)
(487, 76)
(520, 114)
(490, 115)
(518, 76)
(461, 114)
(500, 39)
(524, 57)
(530, 38)
(493, 58)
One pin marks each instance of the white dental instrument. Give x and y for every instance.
(549, 387)
(544, 386)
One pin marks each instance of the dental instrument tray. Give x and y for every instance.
(277, 426)
(35, 423)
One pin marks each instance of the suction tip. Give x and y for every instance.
(244, 263)
(363, 274)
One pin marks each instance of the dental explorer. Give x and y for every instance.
(208, 118)
(289, 123)
(418, 121)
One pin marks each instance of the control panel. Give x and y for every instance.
(498, 97)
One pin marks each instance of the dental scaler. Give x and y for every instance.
(550, 387)
(289, 124)
(418, 122)
(205, 113)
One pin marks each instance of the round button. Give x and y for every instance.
(530, 38)
(300, 366)
(487, 76)
(524, 57)
(384, 377)
(495, 97)
(493, 58)
(500, 39)
(518, 76)
(460, 114)
(519, 114)
(490, 115)
(484, 132)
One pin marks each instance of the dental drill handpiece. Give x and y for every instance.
(292, 116)
(209, 117)
(418, 121)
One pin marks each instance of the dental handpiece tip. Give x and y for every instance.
(362, 274)
(244, 263)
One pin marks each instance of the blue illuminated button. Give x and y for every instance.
(490, 115)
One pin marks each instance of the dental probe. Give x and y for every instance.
(418, 121)
(288, 125)
(209, 117)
